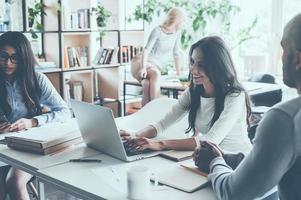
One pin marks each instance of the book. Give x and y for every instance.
(36, 143)
(108, 56)
(177, 155)
(98, 56)
(114, 58)
(182, 178)
(102, 58)
(66, 59)
(78, 90)
(45, 151)
(45, 139)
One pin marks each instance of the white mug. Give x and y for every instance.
(138, 182)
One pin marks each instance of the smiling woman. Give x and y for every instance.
(216, 103)
(23, 92)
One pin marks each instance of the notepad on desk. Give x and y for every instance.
(183, 178)
(177, 155)
(46, 139)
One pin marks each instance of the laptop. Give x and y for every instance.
(99, 131)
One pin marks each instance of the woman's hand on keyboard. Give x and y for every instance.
(126, 135)
(143, 143)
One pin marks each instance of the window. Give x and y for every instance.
(263, 53)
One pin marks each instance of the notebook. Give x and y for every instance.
(183, 177)
(177, 155)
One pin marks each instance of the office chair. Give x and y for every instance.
(262, 102)
(269, 98)
(104, 101)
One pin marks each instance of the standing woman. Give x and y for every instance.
(217, 105)
(24, 93)
(163, 41)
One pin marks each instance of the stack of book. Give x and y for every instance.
(79, 19)
(47, 139)
(106, 56)
(75, 57)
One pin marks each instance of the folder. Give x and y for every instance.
(187, 179)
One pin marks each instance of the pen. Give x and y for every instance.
(85, 160)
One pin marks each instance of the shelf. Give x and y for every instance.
(77, 69)
(71, 33)
(132, 30)
(76, 30)
(79, 86)
(109, 30)
(49, 70)
(96, 30)
(125, 64)
(105, 66)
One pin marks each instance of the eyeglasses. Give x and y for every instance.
(4, 56)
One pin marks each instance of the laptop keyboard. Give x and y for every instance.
(134, 152)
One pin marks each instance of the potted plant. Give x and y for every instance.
(102, 16)
(200, 13)
(34, 13)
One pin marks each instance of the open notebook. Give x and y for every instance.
(185, 177)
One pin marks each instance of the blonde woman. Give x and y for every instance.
(163, 42)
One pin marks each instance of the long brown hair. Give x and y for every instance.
(25, 73)
(218, 66)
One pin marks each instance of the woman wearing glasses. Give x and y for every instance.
(217, 105)
(23, 93)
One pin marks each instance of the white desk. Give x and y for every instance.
(107, 180)
(94, 180)
(31, 162)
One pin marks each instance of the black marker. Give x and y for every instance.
(85, 160)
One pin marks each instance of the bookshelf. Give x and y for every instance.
(69, 40)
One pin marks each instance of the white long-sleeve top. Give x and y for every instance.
(229, 131)
(162, 46)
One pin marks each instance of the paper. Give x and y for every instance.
(114, 176)
(48, 132)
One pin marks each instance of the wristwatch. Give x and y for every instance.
(36, 122)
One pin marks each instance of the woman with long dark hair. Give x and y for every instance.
(23, 93)
(217, 103)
